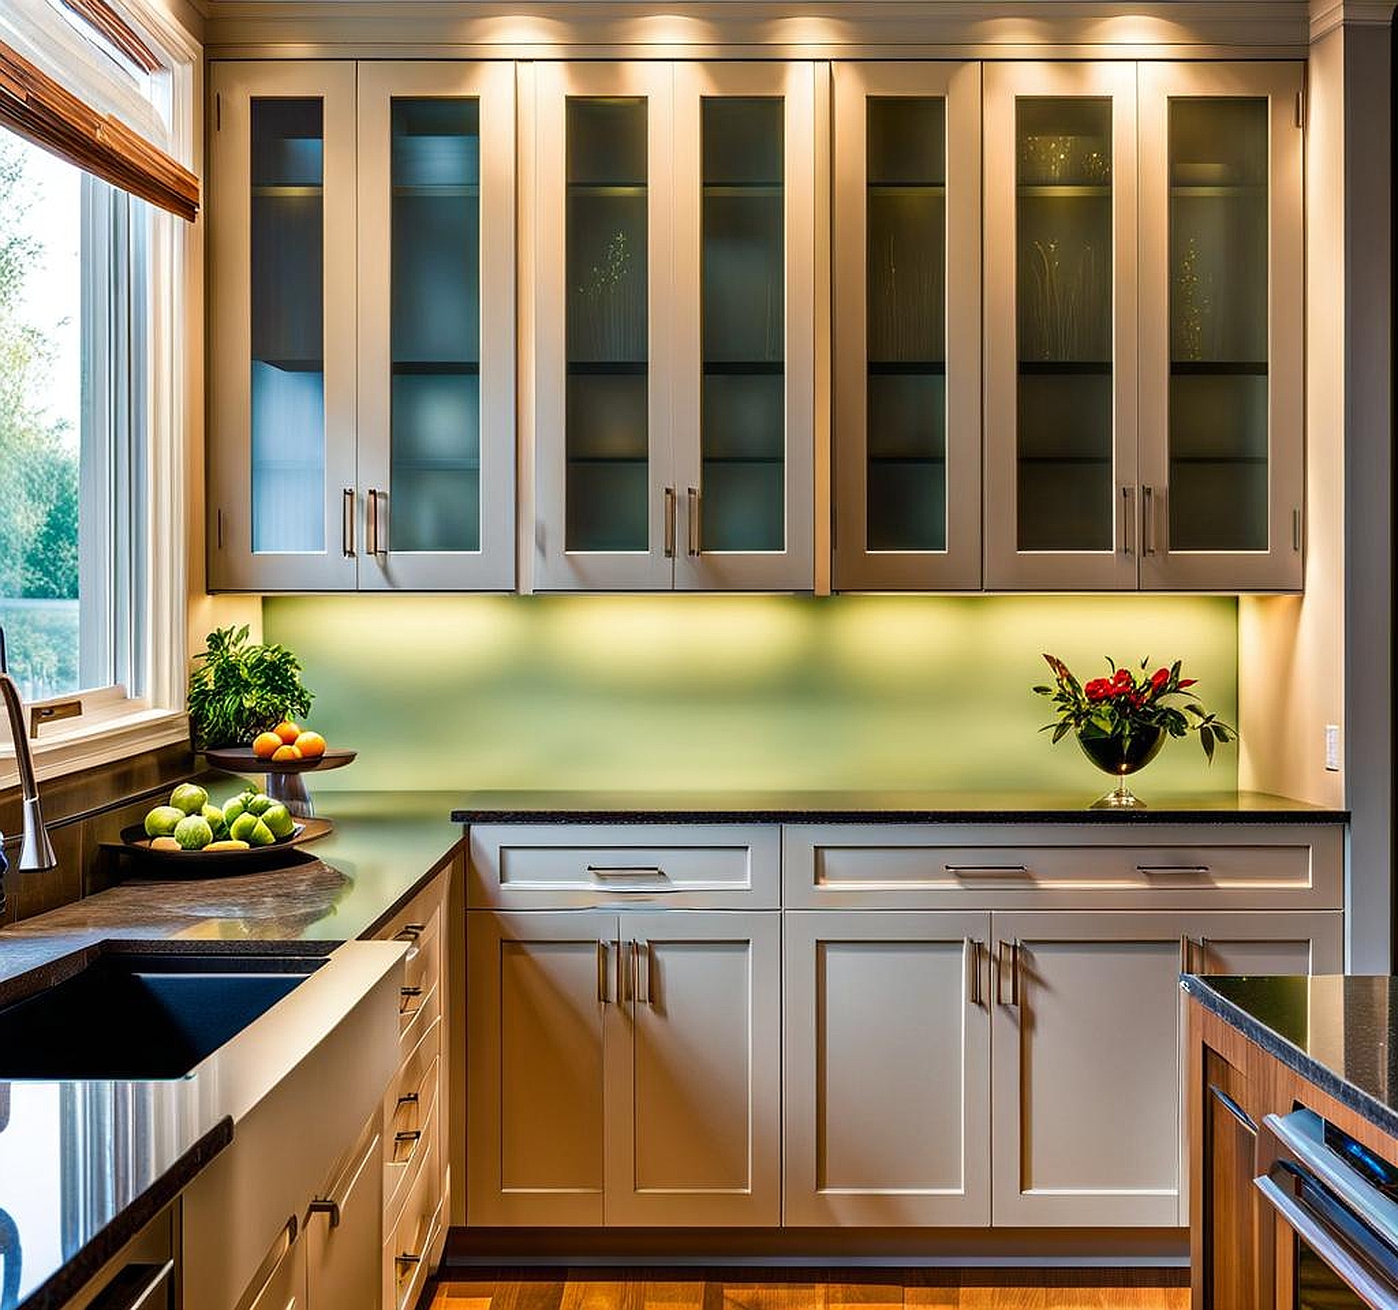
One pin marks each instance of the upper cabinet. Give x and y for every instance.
(1048, 316)
(362, 364)
(674, 404)
(907, 306)
(1143, 277)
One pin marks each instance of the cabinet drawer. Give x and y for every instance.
(407, 1253)
(410, 1118)
(1100, 866)
(544, 866)
(419, 1007)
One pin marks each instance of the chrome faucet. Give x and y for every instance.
(35, 851)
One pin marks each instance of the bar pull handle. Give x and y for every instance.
(1296, 529)
(985, 868)
(973, 964)
(602, 972)
(605, 871)
(642, 968)
(1148, 518)
(620, 971)
(347, 522)
(324, 1205)
(1128, 521)
(669, 523)
(1009, 968)
(693, 521)
(410, 932)
(372, 535)
(1233, 1108)
(1172, 868)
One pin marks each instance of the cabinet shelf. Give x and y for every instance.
(1204, 190)
(604, 189)
(604, 461)
(1085, 460)
(1063, 190)
(439, 190)
(744, 367)
(445, 465)
(744, 189)
(608, 368)
(1216, 460)
(745, 459)
(907, 367)
(1217, 368)
(288, 191)
(436, 367)
(908, 188)
(910, 461)
(1064, 368)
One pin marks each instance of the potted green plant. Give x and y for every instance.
(239, 688)
(1121, 721)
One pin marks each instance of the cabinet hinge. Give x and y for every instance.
(1301, 108)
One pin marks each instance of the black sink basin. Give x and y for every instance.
(134, 1015)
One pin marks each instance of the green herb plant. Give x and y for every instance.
(240, 688)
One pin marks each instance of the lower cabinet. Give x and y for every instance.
(624, 1068)
(887, 1055)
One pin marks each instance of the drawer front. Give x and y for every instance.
(1098, 866)
(408, 1249)
(410, 1107)
(422, 967)
(419, 1007)
(689, 866)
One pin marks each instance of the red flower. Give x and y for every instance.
(1159, 678)
(1188, 682)
(1098, 689)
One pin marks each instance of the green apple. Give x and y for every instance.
(193, 832)
(242, 827)
(261, 835)
(214, 817)
(259, 804)
(161, 821)
(233, 809)
(278, 819)
(189, 797)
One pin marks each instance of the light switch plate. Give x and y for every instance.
(1332, 747)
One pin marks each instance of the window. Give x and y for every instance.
(74, 283)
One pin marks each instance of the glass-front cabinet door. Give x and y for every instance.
(907, 336)
(606, 511)
(436, 326)
(1061, 506)
(282, 322)
(1221, 336)
(743, 315)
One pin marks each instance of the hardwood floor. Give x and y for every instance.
(931, 1289)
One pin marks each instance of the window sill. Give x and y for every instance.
(111, 728)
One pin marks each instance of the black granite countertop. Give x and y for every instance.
(874, 807)
(84, 1165)
(1336, 1031)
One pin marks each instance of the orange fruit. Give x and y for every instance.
(284, 753)
(266, 745)
(287, 731)
(311, 745)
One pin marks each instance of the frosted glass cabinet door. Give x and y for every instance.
(282, 316)
(1222, 327)
(605, 490)
(907, 477)
(743, 325)
(436, 325)
(1060, 326)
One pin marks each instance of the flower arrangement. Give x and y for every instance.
(1125, 706)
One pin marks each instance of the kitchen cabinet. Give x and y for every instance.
(623, 1068)
(1086, 1044)
(362, 375)
(1143, 230)
(674, 369)
(887, 1068)
(344, 1232)
(907, 314)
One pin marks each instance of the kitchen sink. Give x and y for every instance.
(142, 1015)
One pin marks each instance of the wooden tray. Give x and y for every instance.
(136, 847)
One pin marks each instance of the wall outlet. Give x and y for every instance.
(1332, 747)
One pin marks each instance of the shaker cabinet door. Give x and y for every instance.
(282, 479)
(743, 316)
(694, 1080)
(539, 991)
(887, 1069)
(1222, 327)
(605, 513)
(437, 325)
(1060, 326)
(907, 313)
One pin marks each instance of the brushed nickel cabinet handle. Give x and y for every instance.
(693, 521)
(1128, 521)
(407, 1258)
(985, 868)
(628, 970)
(1148, 518)
(1296, 529)
(1172, 868)
(973, 963)
(410, 932)
(372, 535)
(620, 971)
(669, 523)
(347, 522)
(602, 972)
(324, 1205)
(1009, 968)
(605, 871)
(218, 521)
(408, 1098)
(410, 1135)
(642, 964)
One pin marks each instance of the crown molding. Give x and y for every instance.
(710, 28)
(1327, 15)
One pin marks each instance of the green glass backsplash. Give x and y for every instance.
(723, 692)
